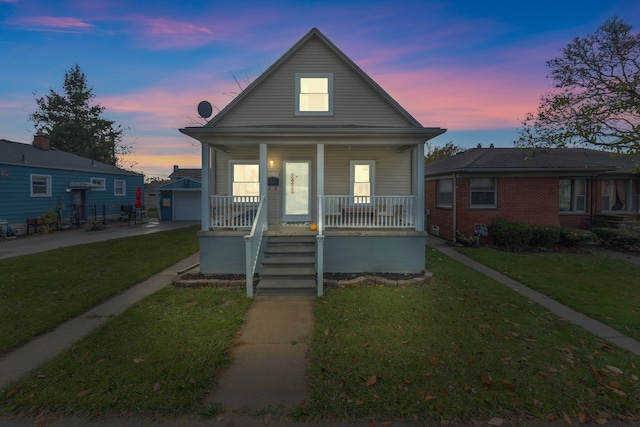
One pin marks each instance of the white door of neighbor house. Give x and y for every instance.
(296, 186)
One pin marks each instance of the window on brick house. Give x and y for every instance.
(573, 195)
(483, 193)
(620, 195)
(444, 192)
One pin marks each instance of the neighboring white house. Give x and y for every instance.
(313, 140)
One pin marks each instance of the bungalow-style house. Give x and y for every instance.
(36, 179)
(313, 157)
(571, 187)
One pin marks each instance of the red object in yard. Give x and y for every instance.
(138, 203)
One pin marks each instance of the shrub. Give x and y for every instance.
(515, 235)
(619, 238)
(575, 236)
(510, 234)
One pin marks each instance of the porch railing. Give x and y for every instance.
(368, 212)
(233, 211)
(252, 244)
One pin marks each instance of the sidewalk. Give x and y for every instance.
(597, 328)
(35, 243)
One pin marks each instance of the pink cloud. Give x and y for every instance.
(58, 22)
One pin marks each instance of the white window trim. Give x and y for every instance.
(329, 77)
(232, 163)
(102, 183)
(495, 195)
(49, 184)
(372, 178)
(115, 188)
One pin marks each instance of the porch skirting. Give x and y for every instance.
(345, 251)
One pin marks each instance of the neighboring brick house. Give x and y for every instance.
(569, 187)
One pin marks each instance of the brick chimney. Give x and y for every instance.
(41, 140)
(175, 168)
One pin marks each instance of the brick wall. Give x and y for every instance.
(533, 200)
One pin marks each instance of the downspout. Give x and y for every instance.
(454, 184)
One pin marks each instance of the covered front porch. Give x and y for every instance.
(380, 228)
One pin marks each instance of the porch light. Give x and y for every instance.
(270, 163)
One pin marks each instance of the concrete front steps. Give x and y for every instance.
(288, 267)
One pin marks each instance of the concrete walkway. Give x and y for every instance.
(270, 363)
(595, 327)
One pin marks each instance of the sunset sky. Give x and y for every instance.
(474, 68)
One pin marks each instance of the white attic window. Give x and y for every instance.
(314, 94)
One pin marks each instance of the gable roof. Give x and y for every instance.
(27, 155)
(215, 127)
(505, 160)
(185, 184)
(186, 173)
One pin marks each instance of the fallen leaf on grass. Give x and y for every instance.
(601, 420)
(614, 369)
(82, 393)
(582, 418)
(496, 421)
(567, 418)
(138, 360)
(156, 387)
(386, 422)
(326, 332)
(371, 381)
(267, 419)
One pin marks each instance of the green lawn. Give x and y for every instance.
(40, 291)
(601, 287)
(159, 358)
(464, 348)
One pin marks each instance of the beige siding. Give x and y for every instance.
(392, 171)
(272, 102)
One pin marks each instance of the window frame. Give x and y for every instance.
(123, 193)
(573, 195)
(232, 164)
(102, 182)
(611, 193)
(298, 78)
(372, 181)
(439, 201)
(47, 185)
(494, 191)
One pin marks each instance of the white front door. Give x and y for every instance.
(297, 191)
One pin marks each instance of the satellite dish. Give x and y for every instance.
(205, 110)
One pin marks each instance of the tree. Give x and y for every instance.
(75, 124)
(597, 103)
(435, 153)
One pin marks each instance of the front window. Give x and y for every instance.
(444, 195)
(40, 185)
(245, 179)
(362, 180)
(100, 183)
(119, 187)
(635, 195)
(483, 192)
(314, 94)
(573, 195)
(616, 195)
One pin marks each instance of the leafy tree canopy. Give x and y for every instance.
(597, 101)
(435, 153)
(76, 125)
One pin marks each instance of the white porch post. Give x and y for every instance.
(264, 189)
(320, 220)
(205, 214)
(419, 167)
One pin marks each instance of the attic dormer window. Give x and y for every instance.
(314, 94)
